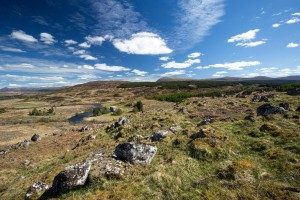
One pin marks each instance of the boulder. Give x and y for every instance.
(71, 177)
(35, 138)
(250, 118)
(258, 98)
(135, 153)
(113, 108)
(85, 128)
(268, 109)
(159, 135)
(107, 167)
(36, 190)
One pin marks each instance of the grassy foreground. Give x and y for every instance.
(237, 158)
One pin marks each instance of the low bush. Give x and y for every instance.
(2, 110)
(138, 107)
(36, 112)
(100, 111)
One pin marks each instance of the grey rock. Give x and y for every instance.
(181, 110)
(85, 128)
(107, 167)
(258, 98)
(135, 153)
(113, 108)
(268, 109)
(122, 121)
(35, 138)
(159, 135)
(285, 105)
(26, 162)
(175, 128)
(250, 118)
(71, 177)
(36, 190)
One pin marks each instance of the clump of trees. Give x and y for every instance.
(138, 107)
(36, 112)
(100, 111)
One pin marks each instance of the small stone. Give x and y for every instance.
(113, 108)
(175, 128)
(36, 190)
(26, 162)
(159, 135)
(35, 138)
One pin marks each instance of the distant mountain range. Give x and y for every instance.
(27, 89)
(256, 78)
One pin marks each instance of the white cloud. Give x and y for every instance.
(296, 14)
(293, 20)
(292, 45)
(194, 55)
(175, 65)
(85, 45)
(105, 67)
(235, 65)
(47, 38)
(195, 19)
(11, 49)
(139, 73)
(249, 35)
(88, 57)
(85, 67)
(164, 58)
(219, 74)
(275, 25)
(70, 42)
(79, 52)
(22, 65)
(251, 44)
(87, 76)
(97, 40)
(22, 36)
(183, 65)
(143, 43)
(174, 73)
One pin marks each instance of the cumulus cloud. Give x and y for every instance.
(293, 20)
(194, 55)
(105, 67)
(79, 52)
(195, 19)
(251, 44)
(219, 74)
(70, 42)
(296, 14)
(292, 45)
(11, 49)
(88, 57)
(22, 36)
(143, 43)
(85, 45)
(87, 76)
(97, 40)
(164, 58)
(235, 65)
(249, 35)
(174, 73)
(47, 38)
(139, 72)
(275, 25)
(183, 65)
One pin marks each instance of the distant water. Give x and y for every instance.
(79, 117)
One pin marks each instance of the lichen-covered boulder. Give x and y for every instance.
(71, 177)
(36, 190)
(159, 135)
(268, 109)
(135, 153)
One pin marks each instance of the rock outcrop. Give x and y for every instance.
(268, 109)
(135, 153)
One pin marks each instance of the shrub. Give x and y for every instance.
(138, 107)
(100, 111)
(36, 112)
(2, 110)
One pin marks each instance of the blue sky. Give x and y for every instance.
(56, 43)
